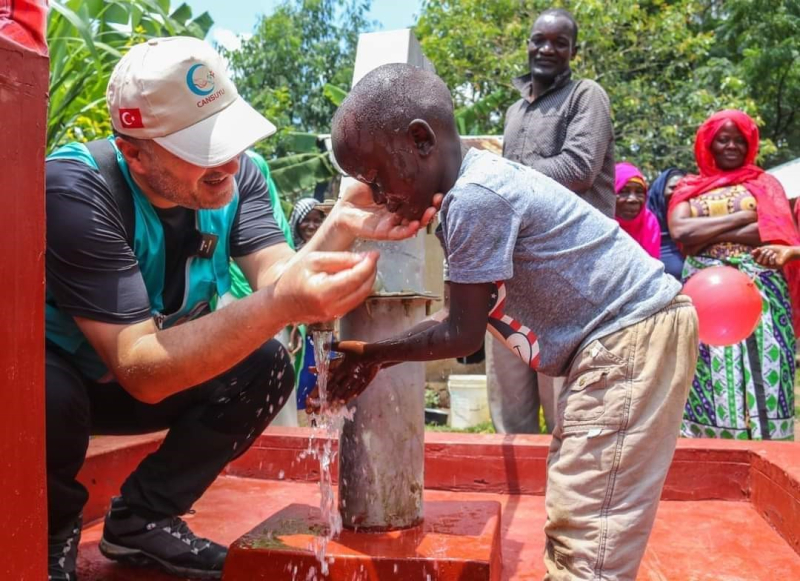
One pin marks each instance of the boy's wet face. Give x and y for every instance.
(398, 181)
(399, 177)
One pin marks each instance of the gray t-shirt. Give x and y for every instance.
(571, 275)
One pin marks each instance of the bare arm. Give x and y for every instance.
(356, 215)
(265, 266)
(747, 234)
(701, 231)
(460, 333)
(776, 255)
(153, 364)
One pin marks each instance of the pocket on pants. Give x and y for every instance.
(596, 390)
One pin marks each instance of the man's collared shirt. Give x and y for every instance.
(565, 133)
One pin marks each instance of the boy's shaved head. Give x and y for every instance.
(396, 132)
(390, 97)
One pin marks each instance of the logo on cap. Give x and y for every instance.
(200, 80)
(131, 119)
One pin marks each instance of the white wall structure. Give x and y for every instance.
(381, 48)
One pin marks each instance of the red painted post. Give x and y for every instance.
(23, 124)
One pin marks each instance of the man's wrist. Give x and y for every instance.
(339, 233)
(280, 304)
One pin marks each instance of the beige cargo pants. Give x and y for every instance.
(618, 419)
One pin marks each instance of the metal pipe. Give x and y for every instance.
(381, 452)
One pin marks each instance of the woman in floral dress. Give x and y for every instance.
(744, 391)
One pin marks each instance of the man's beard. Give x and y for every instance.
(172, 190)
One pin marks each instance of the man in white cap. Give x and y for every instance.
(140, 231)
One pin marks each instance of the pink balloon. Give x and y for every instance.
(728, 304)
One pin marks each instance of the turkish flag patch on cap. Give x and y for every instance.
(131, 119)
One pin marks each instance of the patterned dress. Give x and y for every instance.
(745, 391)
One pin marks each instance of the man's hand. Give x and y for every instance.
(363, 218)
(348, 376)
(774, 255)
(322, 286)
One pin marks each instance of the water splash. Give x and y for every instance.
(328, 425)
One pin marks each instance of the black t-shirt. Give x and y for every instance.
(91, 269)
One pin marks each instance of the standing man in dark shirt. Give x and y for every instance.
(561, 127)
(141, 229)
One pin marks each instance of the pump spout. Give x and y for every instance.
(321, 327)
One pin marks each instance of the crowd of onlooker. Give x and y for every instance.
(727, 214)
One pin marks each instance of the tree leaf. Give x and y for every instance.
(301, 176)
(116, 13)
(204, 22)
(80, 26)
(301, 142)
(182, 13)
(337, 95)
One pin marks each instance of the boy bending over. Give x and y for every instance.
(529, 259)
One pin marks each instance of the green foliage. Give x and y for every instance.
(470, 118)
(297, 174)
(431, 398)
(86, 39)
(292, 70)
(666, 65)
(284, 70)
(761, 39)
(335, 95)
(482, 428)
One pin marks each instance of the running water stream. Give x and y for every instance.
(328, 425)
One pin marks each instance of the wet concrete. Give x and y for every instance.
(458, 541)
(692, 540)
(730, 511)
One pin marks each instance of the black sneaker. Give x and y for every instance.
(167, 543)
(62, 552)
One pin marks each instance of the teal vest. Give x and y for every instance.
(206, 278)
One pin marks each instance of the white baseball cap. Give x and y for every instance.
(176, 92)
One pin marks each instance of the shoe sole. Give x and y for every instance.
(141, 559)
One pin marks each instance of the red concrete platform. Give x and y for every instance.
(691, 540)
(730, 511)
(458, 541)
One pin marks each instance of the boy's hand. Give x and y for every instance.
(348, 376)
(774, 255)
(359, 213)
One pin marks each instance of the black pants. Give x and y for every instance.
(209, 425)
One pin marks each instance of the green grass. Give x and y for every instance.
(484, 428)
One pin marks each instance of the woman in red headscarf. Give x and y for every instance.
(744, 391)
